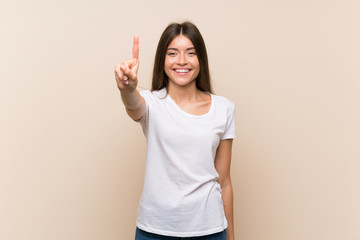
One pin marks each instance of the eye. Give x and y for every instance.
(192, 53)
(171, 54)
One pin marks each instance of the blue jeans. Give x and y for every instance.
(142, 235)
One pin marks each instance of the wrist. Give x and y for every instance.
(128, 90)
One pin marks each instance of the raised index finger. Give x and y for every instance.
(136, 47)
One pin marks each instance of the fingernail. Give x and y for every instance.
(125, 78)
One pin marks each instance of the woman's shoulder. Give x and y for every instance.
(157, 94)
(223, 101)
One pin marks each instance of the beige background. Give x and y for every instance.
(72, 162)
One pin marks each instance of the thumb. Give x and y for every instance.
(131, 72)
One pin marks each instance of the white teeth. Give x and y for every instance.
(182, 70)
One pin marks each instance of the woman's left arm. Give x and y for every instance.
(222, 165)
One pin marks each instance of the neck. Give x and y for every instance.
(183, 93)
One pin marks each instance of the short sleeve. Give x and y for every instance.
(230, 128)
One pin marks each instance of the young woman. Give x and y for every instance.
(187, 190)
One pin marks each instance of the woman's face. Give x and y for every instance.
(181, 62)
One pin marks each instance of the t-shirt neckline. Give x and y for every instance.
(189, 114)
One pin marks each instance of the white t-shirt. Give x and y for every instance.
(181, 196)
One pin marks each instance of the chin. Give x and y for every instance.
(183, 82)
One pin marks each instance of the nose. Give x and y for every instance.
(182, 59)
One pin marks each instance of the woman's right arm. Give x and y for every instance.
(126, 79)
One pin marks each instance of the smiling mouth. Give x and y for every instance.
(182, 70)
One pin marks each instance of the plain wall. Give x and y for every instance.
(72, 162)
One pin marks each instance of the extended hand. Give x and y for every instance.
(126, 72)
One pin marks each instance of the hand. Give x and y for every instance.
(126, 72)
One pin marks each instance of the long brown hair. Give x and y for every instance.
(160, 79)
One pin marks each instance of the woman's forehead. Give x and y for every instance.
(181, 41)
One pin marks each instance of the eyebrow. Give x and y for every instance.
(176, 49)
